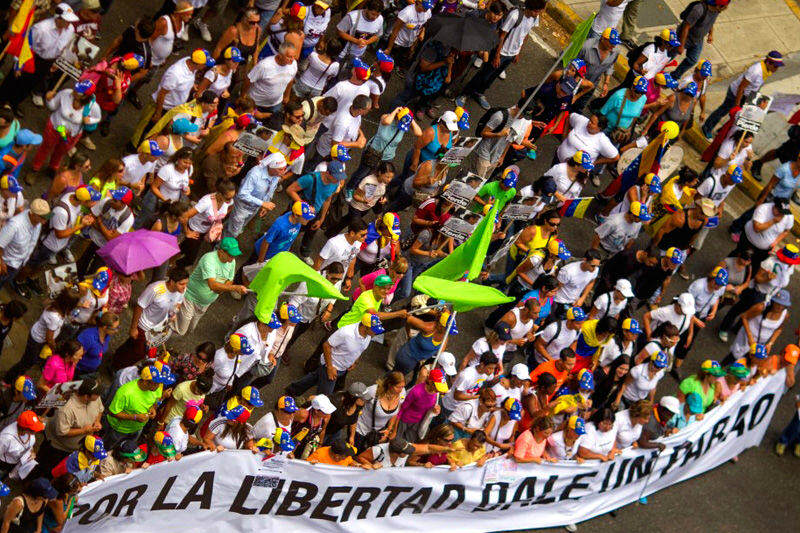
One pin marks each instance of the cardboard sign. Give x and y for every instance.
(457, 228)
(518, 212)
(59, 394)
(460, 150)
(251, 144)
(752, 114)
(77, 58)
(461, 192)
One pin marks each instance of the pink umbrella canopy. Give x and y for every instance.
(139, 250)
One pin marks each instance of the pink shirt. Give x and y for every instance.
(724, 390)
(526, 446)
(369, 282)
(57, 371)
(418, 402)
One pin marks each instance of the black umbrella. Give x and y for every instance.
(466, 34)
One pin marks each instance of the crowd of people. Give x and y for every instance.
(568, 371)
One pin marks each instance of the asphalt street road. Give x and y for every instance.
(756, 494)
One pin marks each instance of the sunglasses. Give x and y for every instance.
(554, 224)
(254, 22)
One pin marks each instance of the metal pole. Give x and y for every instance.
(444, 340)
(536, 91)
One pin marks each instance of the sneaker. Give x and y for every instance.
(780, 448)
(571, 528)
(133, 98)
(37, 100)
(595, 180)
(755, 170)
(88, 143)
(502, 75)
(708, 135)
(52, 260)
(795, 198)
(723, 336)
(308, 261)
(236, 295)
(483, 102)
(461, 101)
(735, 237)
(72, 151)
(478, 62)
(202, 27)
(68, 257)
(643, 500)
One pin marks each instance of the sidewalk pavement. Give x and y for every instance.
(743, 34)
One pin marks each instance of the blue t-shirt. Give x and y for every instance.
(280, 236)
(787, 183)
(547, 305)
(322, 192)
(93, 350)
(631, 111)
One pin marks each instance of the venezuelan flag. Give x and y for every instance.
(576, 207)
(19, 44)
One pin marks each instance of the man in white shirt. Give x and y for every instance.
(559, 335)
(270, 82)
(345, 129)
(577, 280)
(614, 302)
(513, 31)
(742, 87)
(716, 187)
(177, 82)
(467, 384)
(360, 28)
(18, 239)
(587, 134)
(139, 167)
(619, 231)
(156, 307)
(608, 16)
(771, 223)
(340, 353)
(346, 91)
(408, 29)
(343, 249)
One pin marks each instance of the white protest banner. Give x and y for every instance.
(76, 58)
(461, 192)
(237, 491)
(459, 151)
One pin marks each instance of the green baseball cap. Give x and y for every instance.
(383, 281)
(230, 246)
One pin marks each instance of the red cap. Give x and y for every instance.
(29, 420)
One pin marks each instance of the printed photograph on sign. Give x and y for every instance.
(461, 191)
(254, 144)
(460, 150)
(58, 395)
(753, 112)
(77, 58)
(519, 212)
(458, 228)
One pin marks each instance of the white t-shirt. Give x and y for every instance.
(612, 350)
(318, 72)
(267, 425)
(627, 431)
(502, 392)
(373, 416)
(269, 81)
(219, 82)
(564, 184)
(174, 182)
(178, 81)
(481, 346)
(413, 21)
(557, 446)
(579, 138)
(667, 313)
(601, 442)
(8, 206)
(261, 345)
(516, 35)
(345, 129)
(656, 60)
(13, 446)
(112, 219)
(338, 250)
(135, 170)
(179, 437)
(314, 27)
(48, 321)
(608, 16)
(158, 303)
(467, 413)
(468, 381)
(217, 426)
(64, 216)
(347, 345)
(87, 305)
(713, 189)
(764, 239)
(206, 215)
(641, 383)
(573, 280)
(501, 433)
(616, 231)
(704, 299)
(783, 274)
(309, 306)
(754, 75)
(360, 27)
(345, 92)
(606, 305)
(554, 344)
(18, 239)
(373, 190)
(380, 454)
(223, 369)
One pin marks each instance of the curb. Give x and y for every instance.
(569, 20)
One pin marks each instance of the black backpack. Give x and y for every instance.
(488, 115)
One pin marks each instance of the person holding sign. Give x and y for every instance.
(502, 191)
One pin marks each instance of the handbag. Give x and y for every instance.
(373, 436)
(214, 233)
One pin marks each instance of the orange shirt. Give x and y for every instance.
(323, 455)
(550, 366)
(526, 446)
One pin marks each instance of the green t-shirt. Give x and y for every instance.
(129, 398)
(209, 267)
(692, 384)
(365, 301)
(492, 189)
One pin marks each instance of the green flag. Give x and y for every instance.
(463, 295)
(281, 271)
(577, 39)
(466, 261)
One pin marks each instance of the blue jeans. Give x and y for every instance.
(692, 56)
(719, 113)
(320, 378)
(407, 283)
(791, 434)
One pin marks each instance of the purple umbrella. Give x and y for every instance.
(139, 250)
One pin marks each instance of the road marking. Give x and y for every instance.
(543, 44)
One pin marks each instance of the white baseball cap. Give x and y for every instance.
(670, 403)
(64, 12)
(320, 402)
(624, 287)
(450, 120)
(274, 160)
(686, 302)
(520, 371)
(448, 363)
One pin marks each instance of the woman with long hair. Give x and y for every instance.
(231, 431)
(169, 186)
(441, 435)
(60, 367)
(69, 178)
(108, 176)
(204, 221)
(536, 404)
(349, 403)
(608, 383)
(378, 419)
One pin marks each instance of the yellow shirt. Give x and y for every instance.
(462, 456)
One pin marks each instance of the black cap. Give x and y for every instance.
(401, 445)
(340, 447)
(42, 488)
(89, 387)
(503, 331)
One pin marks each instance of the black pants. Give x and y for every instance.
(88, 260)
(190, 249)
(47, 458)
(15, 89)
(29, 359)
(747, 299)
